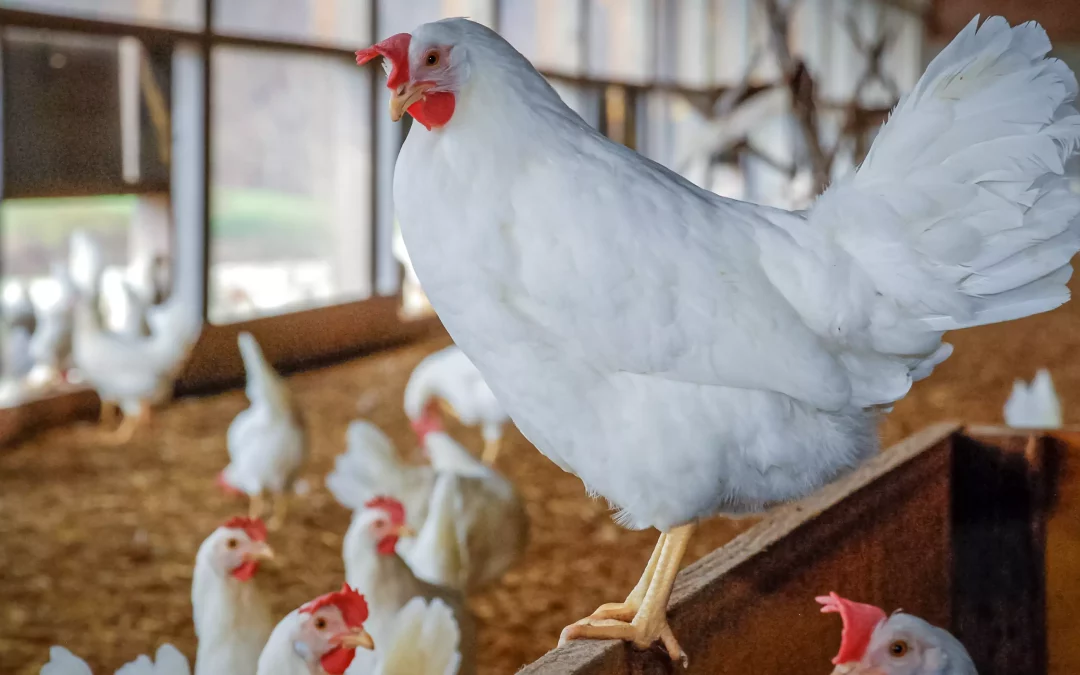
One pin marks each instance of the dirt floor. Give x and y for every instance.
(97, 543)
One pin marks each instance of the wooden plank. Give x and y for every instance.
(999, 543)
(1062, 468)
(19, 422)
(1058, 17)
(879, 535)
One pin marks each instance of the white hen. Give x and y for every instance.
(449, 379)
(1034, 406)
(688, 355)
(167, 661)
(51, 342)
(319, 638)
(133, 372)
(476, 526)
(374, 567)
(267, 441)
(232, 618)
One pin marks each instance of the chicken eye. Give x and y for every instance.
(232, 543)
(898, 648)
(320, 623)
(432, 58)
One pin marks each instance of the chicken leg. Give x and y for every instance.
(130, 424)
(491, 451)
(109, 412)
(256, 506)
(649, 618)
(279, 507)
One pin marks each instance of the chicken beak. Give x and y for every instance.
(357, 638)
(260, 551)
(405, 96)
(406, 531)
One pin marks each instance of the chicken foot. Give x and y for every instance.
(129, 425)
(649, 621)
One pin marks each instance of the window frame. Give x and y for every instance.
(297, 338)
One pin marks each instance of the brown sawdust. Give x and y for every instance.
(97, 542)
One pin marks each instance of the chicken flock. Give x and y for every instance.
(684, 354)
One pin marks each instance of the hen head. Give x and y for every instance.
(875, 644)
(333, 629)
(385, 522)
(238, 546)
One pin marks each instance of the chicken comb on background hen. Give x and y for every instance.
(394, 509)
(253, 527)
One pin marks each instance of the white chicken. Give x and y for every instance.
(688, 355)
(321, 637)
(50, 344)
(875, 644)
(449, 379)
(1034, 406)
(167, 661)
(476, 526)
(471, 523)
(371, 466)
(373, 566)
(132, 372)
(267, 442)
(232, 617)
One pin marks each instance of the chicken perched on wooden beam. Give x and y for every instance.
(875, 644)
(688, 355)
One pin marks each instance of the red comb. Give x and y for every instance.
(859, 623)
(395, 49)
(392, 507)
(349, 602)
(253, 527)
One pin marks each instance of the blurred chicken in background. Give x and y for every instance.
(167, 661)
(267, 442)
(320, 637)
(449, 381)
(471, 524)
(374, 567)
(1035, 405)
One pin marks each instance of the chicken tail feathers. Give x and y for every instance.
(425, 640)
(962, 214)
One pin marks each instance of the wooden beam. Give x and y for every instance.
(1060, 18)
(734, 609)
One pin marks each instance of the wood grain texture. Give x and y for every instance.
(890, 515)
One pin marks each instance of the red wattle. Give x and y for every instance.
(387, 545)
(435, 110)
(246, 570)
(337, 660)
